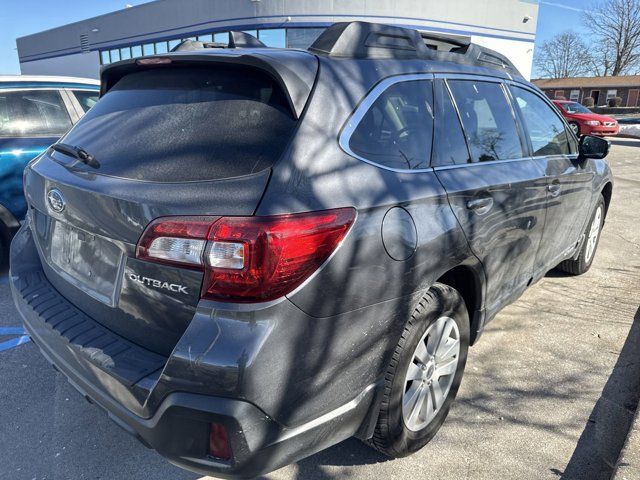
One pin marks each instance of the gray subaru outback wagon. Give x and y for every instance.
(246, 255)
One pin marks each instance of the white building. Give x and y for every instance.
(508, 26)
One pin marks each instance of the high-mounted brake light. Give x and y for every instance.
(247, 259)
(153, 61)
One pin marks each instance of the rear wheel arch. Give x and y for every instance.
(468, 283)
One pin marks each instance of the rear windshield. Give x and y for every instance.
(183, 124)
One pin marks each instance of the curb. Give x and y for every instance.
(628, 466)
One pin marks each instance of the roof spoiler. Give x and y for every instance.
(294, 72)
(236, 40)
(375, 40)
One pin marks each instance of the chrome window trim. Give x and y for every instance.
(492, 162)
(362, 109)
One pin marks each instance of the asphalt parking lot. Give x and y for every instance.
(548, 393)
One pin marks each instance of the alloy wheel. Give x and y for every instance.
(431, 373)
(594, 232)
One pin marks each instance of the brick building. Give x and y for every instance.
(601, 89)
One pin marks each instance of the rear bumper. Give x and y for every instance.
(178, 424)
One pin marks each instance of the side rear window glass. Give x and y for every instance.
(488, 120)
(544, 127)
(86, 98)
(397, 130)
(32, 113)
(449, 144)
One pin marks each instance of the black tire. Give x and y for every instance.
(584, 261)
(391, 435)
(575, 127)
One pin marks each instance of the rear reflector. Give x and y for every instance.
(247, 259)
(219, 442)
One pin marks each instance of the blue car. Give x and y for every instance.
(34, 112)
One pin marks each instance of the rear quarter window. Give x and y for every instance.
(187, 124)
(396, 131)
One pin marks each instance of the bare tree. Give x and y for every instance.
(565, 55)
(616, 27)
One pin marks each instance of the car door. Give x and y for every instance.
(498, 195)
(569, 180)
(30, 121)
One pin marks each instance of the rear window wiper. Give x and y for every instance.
(76, 152)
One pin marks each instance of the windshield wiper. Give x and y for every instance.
(76, 152)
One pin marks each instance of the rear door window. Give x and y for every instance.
(86, 98)
(397, 130)
(545, 129)
(33, 113)
(488, 120)
(187, 123)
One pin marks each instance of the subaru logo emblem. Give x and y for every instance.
(56, 200)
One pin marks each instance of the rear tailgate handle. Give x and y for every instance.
(480, 205)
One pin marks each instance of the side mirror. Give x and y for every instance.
(593, 147)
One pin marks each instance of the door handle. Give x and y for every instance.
(554, 189)
(480, 205)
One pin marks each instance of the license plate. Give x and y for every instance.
(89, 262)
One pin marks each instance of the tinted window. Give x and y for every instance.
(87, 99)
(302, 37)
(544, 127)
(396, 131)
(273, 37)
(488, 120)
(31, 113)
(185, 124)
(449, 145)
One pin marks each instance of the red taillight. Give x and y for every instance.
(219, 442)
(247, 259)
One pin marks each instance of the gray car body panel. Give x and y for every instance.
(301, 359)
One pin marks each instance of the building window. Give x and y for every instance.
(115, 55)
(125, 53)
(274, 37)
(302, 37)
(136, 51)
(205, 38)
(161, 47)
(575, 95)
(104, 57)
(559, 94)
(148, 49)
(173, 44)
(611, 94)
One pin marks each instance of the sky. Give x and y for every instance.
(23, 17)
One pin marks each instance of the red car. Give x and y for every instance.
(584, 122)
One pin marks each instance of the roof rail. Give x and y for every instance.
(236, 40)
(375, 40)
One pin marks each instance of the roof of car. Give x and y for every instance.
(46, 81)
